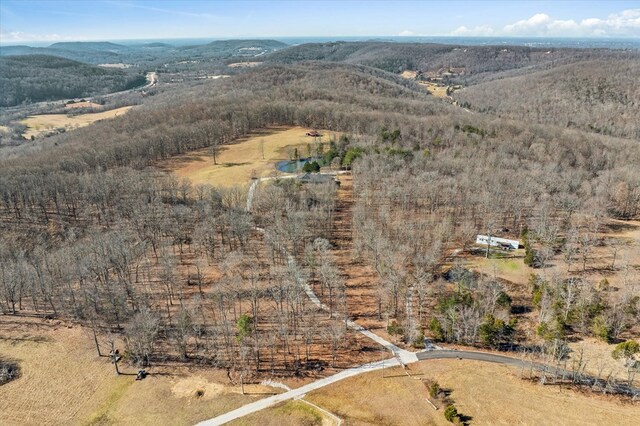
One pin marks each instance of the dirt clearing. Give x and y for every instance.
(38, 125)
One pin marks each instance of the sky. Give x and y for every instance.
(29, 21)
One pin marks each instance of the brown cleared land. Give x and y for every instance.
(41, 124)
(243, 159)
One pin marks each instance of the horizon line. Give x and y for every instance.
(275, 37)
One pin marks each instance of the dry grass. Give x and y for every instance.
(174, 400)
(287, 413)
(41, 124)
(434, 89)
(64, 382)
(489, 393)
(410, 75)
(61, 373)
(240, 161)
(599, 362)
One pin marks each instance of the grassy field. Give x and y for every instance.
(239, 161)
(287, 413)
(63, 381)
(434, 89)
(41, 124)
(488, 393)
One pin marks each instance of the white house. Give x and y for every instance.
(498, 242)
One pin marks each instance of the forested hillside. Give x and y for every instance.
(147, 53)
(35, 78)
(397, 57)
(91, 230)
(598, 96)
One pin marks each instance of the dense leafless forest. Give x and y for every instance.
(598, 96)
(36, 78)
(91, 230)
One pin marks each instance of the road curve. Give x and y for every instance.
(261, 404)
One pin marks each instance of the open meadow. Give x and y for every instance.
(238, 162)
(64, 381)
(38, 125)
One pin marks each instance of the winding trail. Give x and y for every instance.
(401, 356)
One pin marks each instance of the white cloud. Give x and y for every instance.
(623, 24)
(481, 30)
(19, 36)
(406, 33)
(528, 26)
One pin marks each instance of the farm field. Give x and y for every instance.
(47, 393)
(434, 89)
(241, 160)
(479, 391)
(41, 124)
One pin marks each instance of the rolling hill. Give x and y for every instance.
(597, 96)
(35, 78)
(156, 53)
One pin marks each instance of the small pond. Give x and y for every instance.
(292, 166)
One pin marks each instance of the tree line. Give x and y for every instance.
(92, 230)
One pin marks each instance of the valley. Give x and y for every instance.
(249, 232)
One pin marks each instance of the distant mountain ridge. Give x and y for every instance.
(108, 52)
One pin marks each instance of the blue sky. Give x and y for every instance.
(24, 21)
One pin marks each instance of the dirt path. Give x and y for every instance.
(404, 356)
(401, 357)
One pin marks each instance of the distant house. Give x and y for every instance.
(313, 133)
(317, 178)
(503, 243)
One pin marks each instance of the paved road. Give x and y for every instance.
(299, 392)
(295, 393)
(473, 355)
